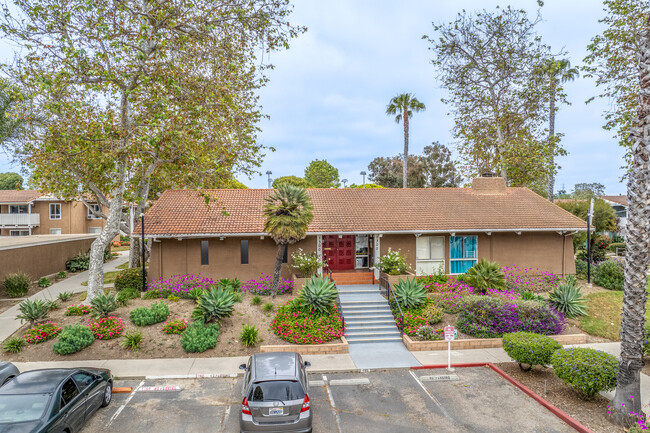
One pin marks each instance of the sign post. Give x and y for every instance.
(450, 334)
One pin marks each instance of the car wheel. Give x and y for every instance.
(108, 394)
(7, 380)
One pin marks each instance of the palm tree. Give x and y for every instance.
(402, 107)
(636, 254)
(288, 212)
(557, 72)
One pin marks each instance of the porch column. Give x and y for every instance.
(377, 254)
(29, 218)
(319, 251)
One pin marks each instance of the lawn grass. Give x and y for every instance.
(122, 248)
(603, 318)
(124, 265)
(109, 277)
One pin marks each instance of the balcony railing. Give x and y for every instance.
(19, 220)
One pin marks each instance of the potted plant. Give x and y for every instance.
(304, 265)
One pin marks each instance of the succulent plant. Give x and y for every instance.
(568, 299)
(485, 275)
(33, 311)
(319, 294)
(214, 304)
(410, 293)
(104, 304)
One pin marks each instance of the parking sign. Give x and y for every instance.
(449, 333)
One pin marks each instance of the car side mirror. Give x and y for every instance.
(307, 364)
(242, 366)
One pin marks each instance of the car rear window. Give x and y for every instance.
(22, 408)
(274, 390)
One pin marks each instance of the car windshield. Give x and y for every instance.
(21, 408)
(276, 390)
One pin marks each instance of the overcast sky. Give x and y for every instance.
(328, 93)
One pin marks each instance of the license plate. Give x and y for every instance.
(276, 411)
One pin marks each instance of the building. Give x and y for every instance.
(29, 212)
(619, 203)
(436, 228)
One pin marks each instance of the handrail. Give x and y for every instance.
(329, 274)
(388, 292)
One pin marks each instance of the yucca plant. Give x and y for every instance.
(104, 304)
(485, 275)
(132, 340)
(65, 296)
(195, 293)
(33, 311)
(214, 304)
(568, 299)
(13, 345)
(249, 336)
(410, 293)
(319, 294)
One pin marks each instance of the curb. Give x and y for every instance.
(554, 410)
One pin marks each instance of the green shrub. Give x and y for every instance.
(229, 284)
(432, 314)
(213, 304)
(44, 282)
(143, 316)
(80, 262)
(410, 293)
(393, 263)
(173, 298)
(237, 296)
(597, 255)
(156, 294)
(530, 296)
(530, 349)
(428, 333)
(129, 278)
(587, 371)
(305, 264)
(319, 294)
(65, 296)
(13, 345)
(73, 339)
(33, 311)
(249, 336)
(125, 295)
(609, 274)
(485, 275)
(60, 275)
(17, 285)
(568, 299)
(77, 310)
(104, 304)
(256, 300)
(612, 247)
(646, 340)
(195, 293)
(199, 337)
(268, 307)
(437, 278)
(581, 269)
(132, 340)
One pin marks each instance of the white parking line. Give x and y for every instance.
(121, 408)
(433, 398)
(361, 381)
(331, 399)
(224, 420)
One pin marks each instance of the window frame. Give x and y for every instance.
(56, 205)
(97, 208)
(19, 231)
(205, 252)
(463, 258)
(441, 260)
(244, 252)
(18, 207)
(55, 228)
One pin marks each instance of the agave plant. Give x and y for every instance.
(104, 304)
(319, 294)
(410, 293)
(214, 304)
(33, 311)
(485, 275)
(568, 299)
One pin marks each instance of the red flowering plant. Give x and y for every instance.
(106, 328)
(174, 326)
(77, 310)
(296, 323)
(42, 332)
(411, 323)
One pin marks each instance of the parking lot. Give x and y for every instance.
(474, 400)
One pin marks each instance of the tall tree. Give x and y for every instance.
(288, 212)
(586, 191)
(440, 171)
(556, 72)
(402, 107)
(116, 93)
(637, 234)
(11, 181)
(486, 61)
(9, 125)
(322, 174)
(293, 180)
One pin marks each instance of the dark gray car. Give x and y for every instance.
(7, 372)
(275, 394)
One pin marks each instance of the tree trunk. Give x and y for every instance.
(406, 148)
(551, 136)
(636, 253)
(112, 229)
(135, 253)
(278, 269)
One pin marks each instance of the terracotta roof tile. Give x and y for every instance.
(24, 196)
(184, 212)
(620, 199)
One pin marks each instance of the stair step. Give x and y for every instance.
(373, 312)
(372, 322)
(359, 317)
(373, 340)
(368, 333)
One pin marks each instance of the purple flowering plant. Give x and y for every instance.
(530, 279)
(179, 285)
(262, 286)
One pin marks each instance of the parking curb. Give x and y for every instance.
(554, 410)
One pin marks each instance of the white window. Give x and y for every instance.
(96, 208)
(55, 231)
(18, 232)
(18, 208)
(55, 211)
(94, 229)
(429, 255)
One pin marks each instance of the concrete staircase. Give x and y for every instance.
(353, 278)
(367, 315)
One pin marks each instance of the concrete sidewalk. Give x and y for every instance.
(8, 322)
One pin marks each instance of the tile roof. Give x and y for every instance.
(619, 199)
(24, 196)
(184, 212)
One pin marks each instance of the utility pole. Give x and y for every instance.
(590, 215)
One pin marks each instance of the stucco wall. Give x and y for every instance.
(74, 218)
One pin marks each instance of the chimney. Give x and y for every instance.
(488, 184)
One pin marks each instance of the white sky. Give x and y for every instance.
(328, 93)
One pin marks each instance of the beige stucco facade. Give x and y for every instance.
(546, 251)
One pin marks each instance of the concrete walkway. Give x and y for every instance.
(8, 322)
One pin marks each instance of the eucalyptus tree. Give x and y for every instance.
(402, 107)
(118, 92)
(487, 62)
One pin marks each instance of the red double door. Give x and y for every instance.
(339, 251)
